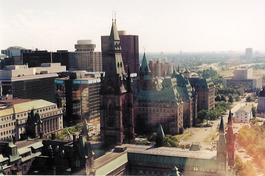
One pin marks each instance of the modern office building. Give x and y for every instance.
(248, 53)
(130, 50)
(37, 57)
(85, 58)
(14, 55)
(20, 81)
(78, 93)
(24, 117)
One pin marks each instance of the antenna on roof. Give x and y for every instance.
(114, 16)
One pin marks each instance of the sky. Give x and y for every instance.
(162, 25)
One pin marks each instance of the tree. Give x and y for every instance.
(218, 98)
(223, 98)
(249, 99)
(203, 114)
(230, 99)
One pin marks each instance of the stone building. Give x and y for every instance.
(21, 118)
(159, 106)
(157, 102)
(117, 111)
(17, 158)
(189, 98)
(230, 141)
(205, 91)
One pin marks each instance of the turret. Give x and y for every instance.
(230, 141)
(144, 68)
(230, 120)
(221, 147)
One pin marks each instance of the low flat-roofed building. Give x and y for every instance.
(22, 81)
(146, 160)
(15, 113)
(243, 84)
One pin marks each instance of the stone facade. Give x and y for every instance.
(117, 111)
(205, 91)
(18, 115)
(169, 101)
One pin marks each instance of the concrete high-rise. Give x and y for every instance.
(85, 58)
(248, 53)
(130, 50)
(78, 93)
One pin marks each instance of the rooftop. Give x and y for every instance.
(171, 151)
(22, 105)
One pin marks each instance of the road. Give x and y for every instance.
(208, 136)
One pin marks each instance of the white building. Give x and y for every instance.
(243, 115)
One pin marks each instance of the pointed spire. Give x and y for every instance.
(221, 127)
(114, 32)
(144, 66)
(230, 116)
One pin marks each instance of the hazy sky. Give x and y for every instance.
(162, 25)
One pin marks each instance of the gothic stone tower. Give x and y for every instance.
(230, 141)
(221, 148)
(117, 113)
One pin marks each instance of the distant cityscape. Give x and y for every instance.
(121, 112)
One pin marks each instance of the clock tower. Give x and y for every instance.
(117, 112)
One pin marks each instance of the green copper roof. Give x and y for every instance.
(144, 66)
(201, 83)
(181, 80)
(184, 93)
(168, 93)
